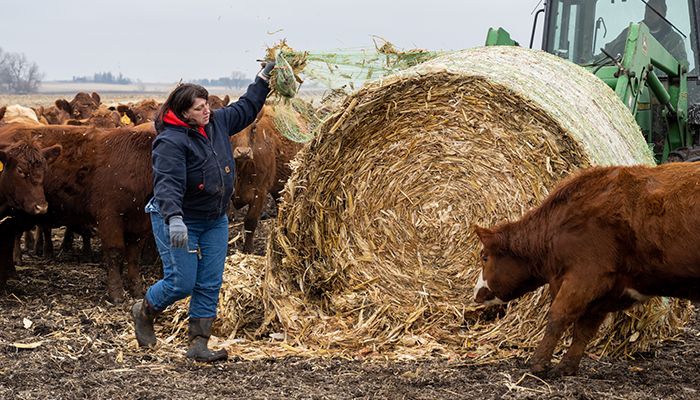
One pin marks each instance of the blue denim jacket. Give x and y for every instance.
(192, 174)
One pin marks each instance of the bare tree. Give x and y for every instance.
(17, 74)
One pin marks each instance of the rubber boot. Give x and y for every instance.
(200, 331)
(144, 314)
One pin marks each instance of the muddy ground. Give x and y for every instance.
(83, 350)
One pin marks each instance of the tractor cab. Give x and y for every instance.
(647, 52)
(582, 31)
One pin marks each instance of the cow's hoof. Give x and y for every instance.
(116, 296)
(563, 370)
(541, 370)
(136, 290)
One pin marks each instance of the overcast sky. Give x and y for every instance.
(166, 40)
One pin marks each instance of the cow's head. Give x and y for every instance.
(22, 177)
(504, 275)
(83, 105)
(56, 114)
(215, 102)
(141, 112)
(103, 117)
(243, 141)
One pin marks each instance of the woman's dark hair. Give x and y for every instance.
(180, 100)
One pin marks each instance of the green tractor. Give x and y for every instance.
(645, 50)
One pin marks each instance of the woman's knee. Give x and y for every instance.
(180, 290)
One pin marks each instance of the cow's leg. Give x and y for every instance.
(134, 245)
(585, 329)
(87, 245)
(251, 222)
(541, 360)
(571, 301)
(9, 229)
(149, 252)
(39, 243)
(47, 248)
(6, 250)
(68, 239)
(29, 241)
(17, 251)
(111, 231)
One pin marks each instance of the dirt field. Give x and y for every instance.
(84, 350)
(81, 346)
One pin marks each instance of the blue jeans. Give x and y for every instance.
(187, 274)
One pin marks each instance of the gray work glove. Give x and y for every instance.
(266, 70)
(178, 232)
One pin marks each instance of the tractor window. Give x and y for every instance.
(564, 34)
(578, 29)
(613, 18)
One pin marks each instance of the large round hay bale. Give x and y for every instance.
(373, 244)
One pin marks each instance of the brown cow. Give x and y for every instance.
(24, 166)
(215, 102)
(603, 240)
(141, 112)
(262, 158)
(102, 117)
(104, 179)
(81, 107)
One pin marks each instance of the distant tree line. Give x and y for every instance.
(235, 81)
(17, 74)
(104, 77)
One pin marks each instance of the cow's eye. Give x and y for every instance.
(21, 173)
(484, 258)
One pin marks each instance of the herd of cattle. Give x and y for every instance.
(603, 240)
(85, 166)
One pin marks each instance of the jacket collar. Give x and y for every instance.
(172, 119)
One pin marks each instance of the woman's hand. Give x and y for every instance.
(178, 232)
(266, 70)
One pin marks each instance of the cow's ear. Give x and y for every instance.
(226, 100)
(132, 116)
(491, 239)
(484, 234)
(64, 105)
(96, 97)
(2, 111)
(74, 122)
(51, 153)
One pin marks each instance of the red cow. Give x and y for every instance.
(262, 158)
(81, 107)
(23, 167)
(103, 179)
(604, 239)
(215, 102)
(22, 173)
(102, 117)
(141, 112)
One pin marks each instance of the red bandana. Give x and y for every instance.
(172, 119)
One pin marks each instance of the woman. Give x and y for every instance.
(192, 187)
